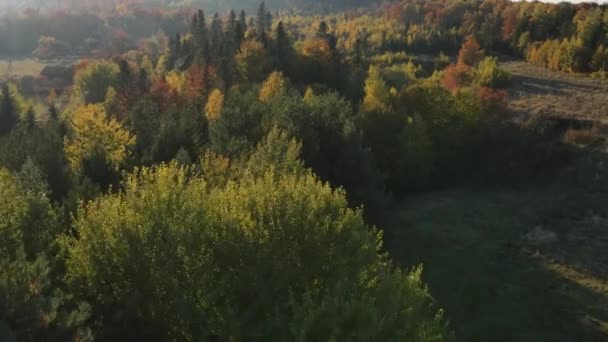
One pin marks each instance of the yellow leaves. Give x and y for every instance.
(92, 132)
(317, 48)
(309, 95)
(252, 60)
(176, 81)
(377, 94)
(275, 85)
(215, 103)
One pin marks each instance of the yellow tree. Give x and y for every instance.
(252, 61)
(215, 103)
(92, 132)
(275, 85)
(377, 94)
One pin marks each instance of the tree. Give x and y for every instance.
(322, 30)
(274, 86)
(216, 35)
(268, 239)
(284, 53)
(92, 82)
(457, 76)
(8, 112)
(92, 135)
(377, 96)
(200, 37)
(252, 61)
(490, 75)
(260, 22)
(243, 19)
(33, 307)
(215, 103)
(599, 60)
(470, 53)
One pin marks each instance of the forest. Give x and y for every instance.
(297, 170)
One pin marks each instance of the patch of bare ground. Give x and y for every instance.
(537, 91)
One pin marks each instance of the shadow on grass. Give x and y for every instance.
(469, 243)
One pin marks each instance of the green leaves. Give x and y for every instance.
(241, 261)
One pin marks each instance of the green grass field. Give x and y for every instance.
(22, 67)
(492, 286)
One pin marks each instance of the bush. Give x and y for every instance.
(490, 75)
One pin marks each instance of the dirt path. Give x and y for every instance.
(539, 91)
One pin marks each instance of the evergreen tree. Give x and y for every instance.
(53, 113)
(200, 36)
(216, 36)
(283, 49)
(243, 20)
(8, 113)
(29, 121)
(230, 33)
(322, 30)
(124, 75)
(260, 23)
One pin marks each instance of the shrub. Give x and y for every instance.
(490, 75)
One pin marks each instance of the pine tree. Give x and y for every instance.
(283, 49)
(261, 19)
(239, 35)
(230, 29)
(8, 114)
(322, 31)
(243, 20)
(216, 35)
(358, 53)
(124, 75)
(29, 121)
(53, 113)
(200, 37)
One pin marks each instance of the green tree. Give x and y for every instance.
(92, 82)
(32, 306)
(272, 258)
(8, 112)
(283, 51)
(252, 61)
(490, 75)
(260, 22)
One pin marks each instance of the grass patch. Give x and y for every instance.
(22, 67)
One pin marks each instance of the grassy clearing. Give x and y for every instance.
(537, 91)
(492, 285)
(22, 67)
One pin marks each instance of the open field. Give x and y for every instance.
(20, 68)
(496, 286)
(539, 91)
